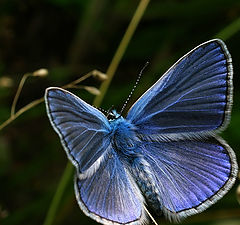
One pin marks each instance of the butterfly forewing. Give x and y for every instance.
(193, 98)
(83, 129)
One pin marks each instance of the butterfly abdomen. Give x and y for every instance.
(145, 179)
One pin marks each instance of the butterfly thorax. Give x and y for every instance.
(124, 139)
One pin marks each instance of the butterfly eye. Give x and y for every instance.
(111, 116)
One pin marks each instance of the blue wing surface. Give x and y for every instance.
(192, 98)
(111, 196)
(83, 130)
(188, 176)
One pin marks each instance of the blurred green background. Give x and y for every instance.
(71, 38)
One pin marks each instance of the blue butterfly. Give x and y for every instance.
(165, 154)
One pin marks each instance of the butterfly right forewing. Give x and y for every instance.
(193, 98)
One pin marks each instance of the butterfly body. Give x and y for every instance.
(146, 181)
(124, 140)
(165, 153)
(128, 147)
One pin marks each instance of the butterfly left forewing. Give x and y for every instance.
(83, 130)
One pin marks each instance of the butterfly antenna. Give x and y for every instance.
(149, 214)
(134, 87)
(102, 110)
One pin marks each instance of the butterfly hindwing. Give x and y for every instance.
(188, 176)
(82, 128)
(110, 195)
(192, 98)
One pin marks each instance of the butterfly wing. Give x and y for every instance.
(83, 130)
(188, 176)
(110, 196)
(192, 98)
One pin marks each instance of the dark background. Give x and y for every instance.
(71, 38)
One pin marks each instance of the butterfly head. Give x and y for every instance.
(113, 115)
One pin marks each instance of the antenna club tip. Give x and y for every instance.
(146, 64)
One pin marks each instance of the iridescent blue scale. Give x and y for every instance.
(166, 153)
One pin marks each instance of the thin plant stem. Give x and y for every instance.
(229, 30)
(98, 99)
(20, 86)
(149, 214)
(37, 101)
(121, 50)
(58, 194)
(92, 73)
(21, 111)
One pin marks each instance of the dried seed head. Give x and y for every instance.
(99, 75)
(92, 90)
(40, 73)
(6, 82)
